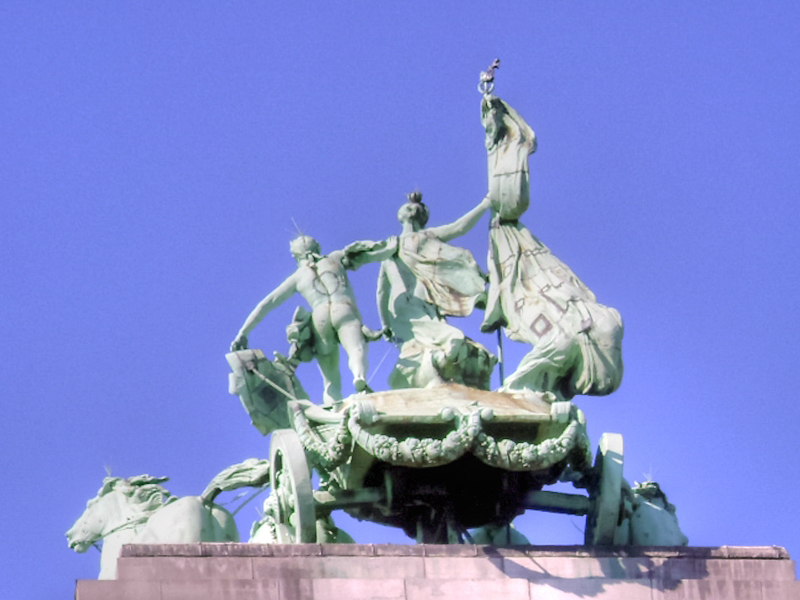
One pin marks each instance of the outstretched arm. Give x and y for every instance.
(275, 298)
(462, 225)
(360, 253)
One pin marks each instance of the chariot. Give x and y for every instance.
(435, 462)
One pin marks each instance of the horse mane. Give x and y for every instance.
(252, 472)
(143, 491)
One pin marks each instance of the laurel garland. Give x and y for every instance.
(327, 455)
(572, 443)
(525, 456)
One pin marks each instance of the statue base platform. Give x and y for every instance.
(422, 572)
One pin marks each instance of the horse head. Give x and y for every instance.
(93, 523)
(119, 504)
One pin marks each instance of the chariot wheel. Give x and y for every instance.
(601, 522)
(289, 477)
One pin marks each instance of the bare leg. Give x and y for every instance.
(329, 368)
(327, 354)
(352, 340)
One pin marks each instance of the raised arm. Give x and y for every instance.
(275, 298)
(461, 225)
(363, 252)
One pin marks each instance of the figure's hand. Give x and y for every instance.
(389, 335)
(240, 343)
(371, 335)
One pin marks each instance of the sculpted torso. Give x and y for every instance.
(325, 287)
(324, 281)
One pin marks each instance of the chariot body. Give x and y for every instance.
(434, 462)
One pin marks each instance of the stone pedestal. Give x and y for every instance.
(423, 572)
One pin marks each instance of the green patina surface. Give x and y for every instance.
(438, 452)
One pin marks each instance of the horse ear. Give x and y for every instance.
(108, 485)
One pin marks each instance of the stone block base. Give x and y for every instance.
(422, 572)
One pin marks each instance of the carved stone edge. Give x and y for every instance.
(284, 550)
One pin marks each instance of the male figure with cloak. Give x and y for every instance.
(577, 342)
(422, 281)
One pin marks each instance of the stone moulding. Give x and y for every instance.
(445, 572)
(464, 550)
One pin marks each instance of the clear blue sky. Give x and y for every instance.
(154, 158)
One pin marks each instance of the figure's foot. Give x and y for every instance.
(361, 386)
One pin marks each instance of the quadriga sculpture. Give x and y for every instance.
(138, 510)
(440, 453)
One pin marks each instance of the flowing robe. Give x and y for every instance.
(577, 342)
(422, 281)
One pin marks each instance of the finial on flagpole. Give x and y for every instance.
(486, 84)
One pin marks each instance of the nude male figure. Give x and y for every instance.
(322, 282)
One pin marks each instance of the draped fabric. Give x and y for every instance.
(577, 342)
(423, 280)
(430, 280)
(451, 279)
(509, 141)
(529, 287)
